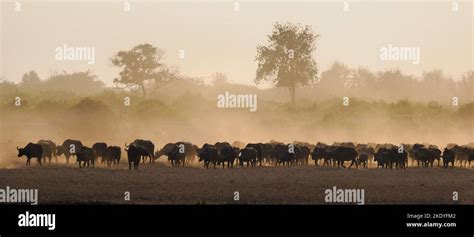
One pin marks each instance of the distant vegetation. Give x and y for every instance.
(336, 82)
(185, 109)
(151, 100)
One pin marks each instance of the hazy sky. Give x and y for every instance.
(218, 39)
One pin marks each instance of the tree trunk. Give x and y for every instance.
(292, 94)
(142, 86)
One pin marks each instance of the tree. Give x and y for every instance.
(30, 79)
(434, 80)
(219, 79)
(362, 77)
(83, 83)
(7, 88)
(336, 77)
(141, 65)
(287, 61)
(466, 85)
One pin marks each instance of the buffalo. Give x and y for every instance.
(31, 150)
(86, 156)
(362, 160)
(285, 154)
(270, 152)
(259, 148)
(47, 152)
(302, 154)
(342, 154)
(208, 154)
(425, 156)
(165, 150)
(319, 153)
(69, 148)
(366, 149)
(227, 153)
(148, 146)
(112, 155)
(248, 155)
(178, 153)
(135, 153)
(387, 156)
(461, 154)
(381, 159)
(448, 157)
(51, 146)
(99, 150)
(436, 152)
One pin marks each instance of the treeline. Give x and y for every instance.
(336, 82)
(111, 104)
(193, 116)
(393, 85)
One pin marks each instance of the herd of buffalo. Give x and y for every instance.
(254, 154)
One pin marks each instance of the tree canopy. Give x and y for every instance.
(287, 60)
(141, 65)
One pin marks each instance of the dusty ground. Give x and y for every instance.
(160, 184)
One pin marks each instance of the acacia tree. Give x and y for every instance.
(140, 66)
(287, 60)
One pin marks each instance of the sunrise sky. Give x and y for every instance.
(218, 39)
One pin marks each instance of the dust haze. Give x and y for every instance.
(180, 114)
(388, 102)
(169, 71)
